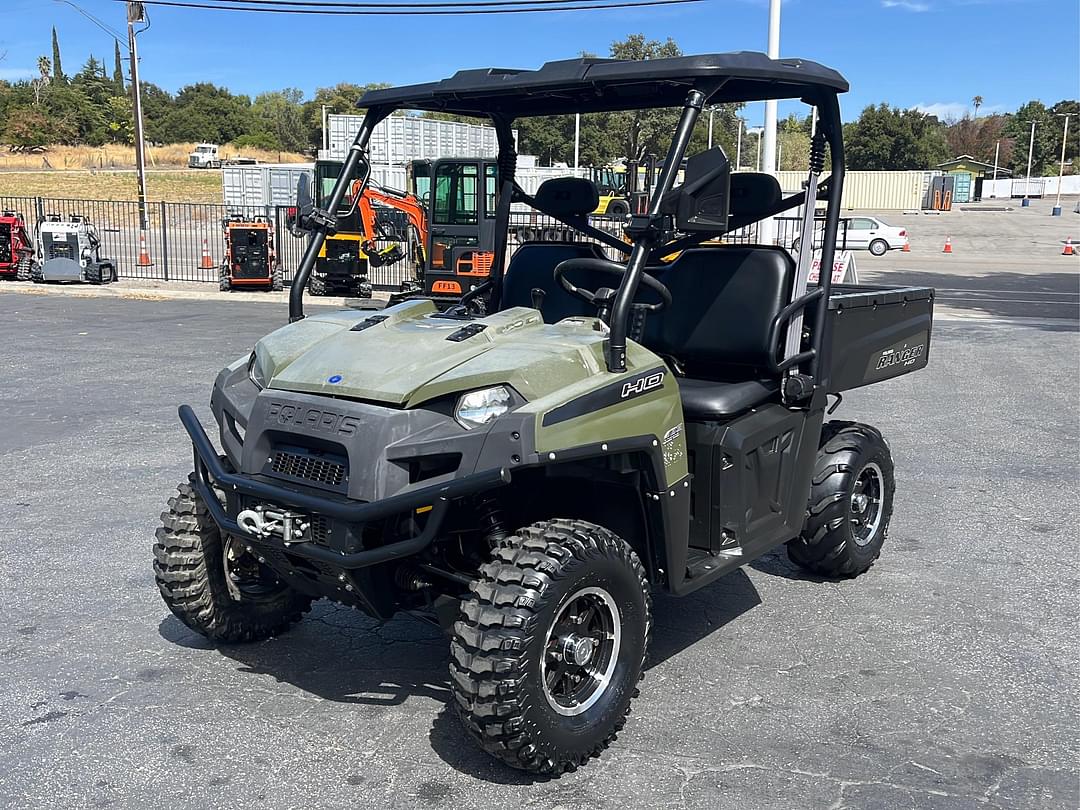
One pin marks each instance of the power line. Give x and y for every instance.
(289, 5)
(420, 9)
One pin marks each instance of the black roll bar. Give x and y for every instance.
(324, 221)
(829, 120)
(646, 234)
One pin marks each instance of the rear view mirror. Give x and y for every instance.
(705, 193)
(304, 205)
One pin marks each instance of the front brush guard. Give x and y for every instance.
(208, 467)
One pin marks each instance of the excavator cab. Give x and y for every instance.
(461, 233)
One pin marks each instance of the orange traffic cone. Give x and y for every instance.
(948, 245)
(207, 262)
(907, 247)
(1068, 251)
(144, 254)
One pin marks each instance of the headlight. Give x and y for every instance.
(477, 408)
(256, 371)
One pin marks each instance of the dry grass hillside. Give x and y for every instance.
(194, 186)
(115, 156)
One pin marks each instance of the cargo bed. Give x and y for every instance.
(878, 332)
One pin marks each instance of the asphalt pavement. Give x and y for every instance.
(945, 677)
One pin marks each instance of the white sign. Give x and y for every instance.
(843, 269)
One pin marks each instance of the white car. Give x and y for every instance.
(868, 233)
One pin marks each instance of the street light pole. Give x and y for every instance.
(1024, 203)
(767, 228)
(136, 13)
(1061, 171)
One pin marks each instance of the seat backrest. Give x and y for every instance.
(724, 300)
(533, 266)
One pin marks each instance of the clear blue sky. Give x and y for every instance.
(935, 54)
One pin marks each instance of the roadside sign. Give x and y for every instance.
(843, 272)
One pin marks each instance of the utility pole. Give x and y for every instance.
(325, 133)
(136, 14)
(1024, 203)
(1061, 172)
(738, 145)
(767, 228)
(577, 141)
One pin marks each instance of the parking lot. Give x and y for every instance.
(944, 677)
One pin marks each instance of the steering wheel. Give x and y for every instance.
(605, 296)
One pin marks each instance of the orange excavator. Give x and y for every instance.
(373, 225)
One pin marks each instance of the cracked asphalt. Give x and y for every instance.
(945, 677)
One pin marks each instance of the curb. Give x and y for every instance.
(167, 294)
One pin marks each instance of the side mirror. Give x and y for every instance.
(705, 194)
(304, 205)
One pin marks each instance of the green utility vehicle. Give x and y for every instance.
(527, 477)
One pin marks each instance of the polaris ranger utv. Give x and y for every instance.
(609, 428)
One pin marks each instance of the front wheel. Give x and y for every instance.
(551, 644)
(24, 270)
(212, 582)
(851, 501)
(879, 247)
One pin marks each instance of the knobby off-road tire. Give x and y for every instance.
(189, 564)
(851, 499)
(317, 286)
(548, 577)
(275, 280)
(224, 282)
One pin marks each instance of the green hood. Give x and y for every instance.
(403, 355)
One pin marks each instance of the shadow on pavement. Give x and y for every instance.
(343, 656)
(1000, 294)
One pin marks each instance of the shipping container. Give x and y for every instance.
(870, 191)
(263, 184)
(400, 139)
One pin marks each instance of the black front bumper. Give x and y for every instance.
(208, 468)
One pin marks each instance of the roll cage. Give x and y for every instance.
(603, 85)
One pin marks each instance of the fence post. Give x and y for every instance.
(164, 242)
(39, 204)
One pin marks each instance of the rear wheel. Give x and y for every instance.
(212, 583)
(879, 247)
(275, 280)
(550, 646)
(851, 502)
(224, 282)
(617, 208)
(317, 286)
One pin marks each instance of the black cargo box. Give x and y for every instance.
(878, 332)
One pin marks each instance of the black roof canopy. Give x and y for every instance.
(598, 85)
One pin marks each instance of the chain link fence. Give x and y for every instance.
(185, 241)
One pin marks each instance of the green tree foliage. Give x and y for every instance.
(979, 137)
(118, 69)
(156, 105)
(278, 118)
(25, 128)
(57, 69)
(205, 112)
(888, 138)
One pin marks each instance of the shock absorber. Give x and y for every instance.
(491, 521)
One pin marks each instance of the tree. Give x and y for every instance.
(1047, 139)
(118, 70)
(978, 137)
(638, 133)
(1072, 147)
(42, 81)
(119, 120)
(157, 104)
(888, 138)
(279, 118)
(205, 112)
(977, 102)
(58, 70)
(26, 128)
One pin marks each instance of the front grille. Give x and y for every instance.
(308, 468)
(320, 530)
